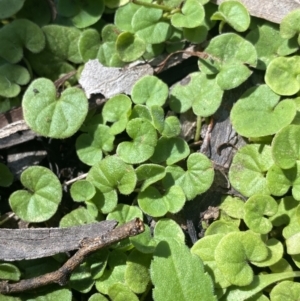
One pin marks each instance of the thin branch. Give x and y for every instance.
(88, 246)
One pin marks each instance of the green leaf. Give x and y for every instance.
(231, 54)
(149, 174)
(171, 127)
(175, 268)
(11, 77)
(84, 14)
(292, 244)
(88, 44)
(137, 275)
(144, 141)
(287, 290)
(81, 279)
(89, 147)
(112, 173)
(195, 35)
(125, 213)
(77, 217)
(108, 55)
(248, 168)
(82, 190)
(6, 177)
(18, 34)
(10, 7)
(116, 110)
(221, 227)
(233, 207)
(129, 46)
(282, 75)
(124, 15)
(150, 90)
(281, 180)
(167, 228)
(289, 25)
(97, 297)
(234, 251)
(202, 94)
(105, 202)
(52, 117)
(154, 204)
(286, 146)
(196, 180)
(256, 208)
(147, 25)
(269, 44)
(41, 200)
(57, 294)
(9, 272)
(120, 292)
(234, 13)
(191, 15)
(259, 113)
(170, 150)
(144, 242)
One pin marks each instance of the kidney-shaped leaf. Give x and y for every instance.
(233, 252)
(144, 141)
(51, 116)
(41, 199)
(256, 208)
(154, 204)
(285, 290)
(149, 174)
(196, 180)
(259, 113)
(248, 168)
(112, 173)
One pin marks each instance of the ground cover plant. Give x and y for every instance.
(138, 163)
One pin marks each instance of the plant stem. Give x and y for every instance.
(152, 5)
(198, 129)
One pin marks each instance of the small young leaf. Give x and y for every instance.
(191, 15)
(170, 150)
(196, 180)
(259, 113)
(89, 146)
(52, 117)
(6, 177)
(144, 141)
(112, 173)
(154, 204)
(82, 190)
(248, 168)
(282, 75)
(202, 94)
(149, 90)
(256, 207)
(149, 173)
(234, 13)
(233, 252)
(177, 269)
(41, 200)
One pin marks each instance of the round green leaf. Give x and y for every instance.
(116, 110)
(172, 127)
(289, 25)
(11, 77)
(144, 242)
(191, 15)
(6, 177)
(88, 44)
(256, 208)
(104, 202)
(149, 174)
(82, 190)
(248, 168)
(144, 141)
(282, 75)
(51, 116)
(221, 227)
(9, 272)
(124, 15)
(150, 90)
(293, 245)
(259, 113)
(147, 25)
(77, 217)
(233, 207)
(97, 297)
(196, 180)
(125, 213)
(129, 46)
(10, 7)
(18, 34)
(167, 228)
(119, 292)
(281, 180)
(202, 94)
(154, 204)
(57, 294)
(41, 200)
(89, 146)
(234, 13)
(234, 251)
(285, 290)
(286, 146)
(108, 56)
(170, 150)
(195, 35)
(112, 173)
